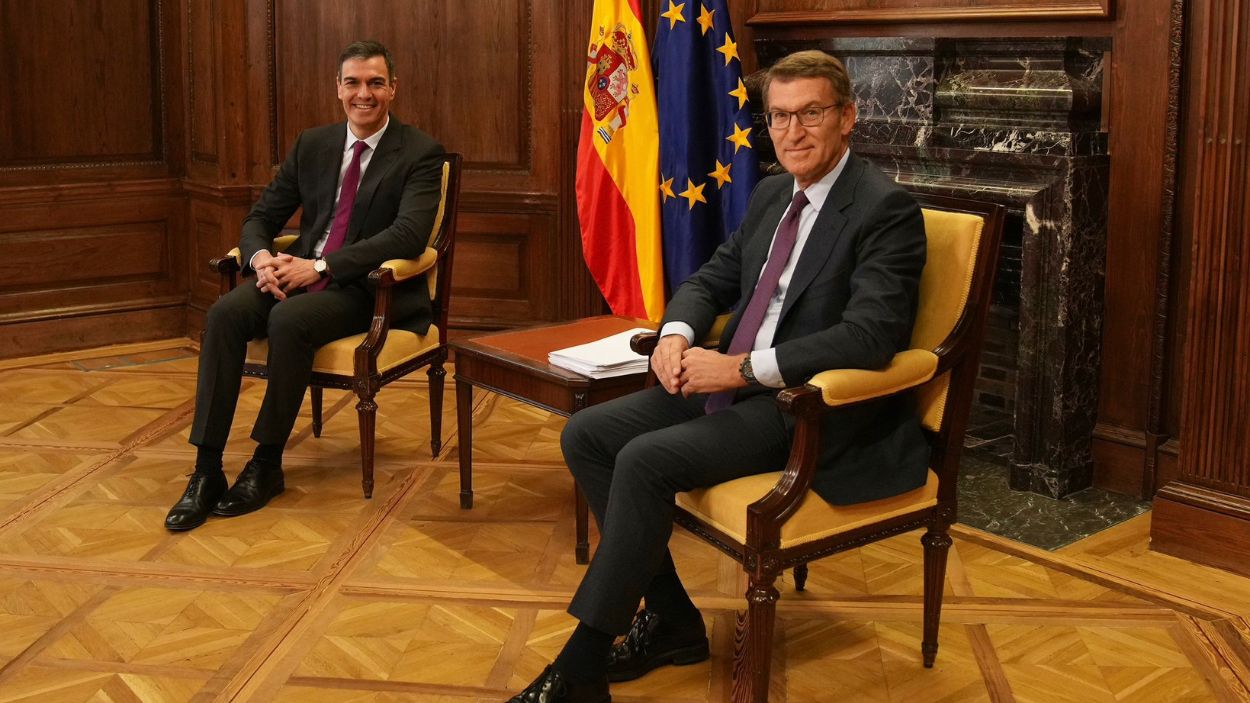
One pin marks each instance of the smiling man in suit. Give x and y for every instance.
(824, 273)
(369, 190)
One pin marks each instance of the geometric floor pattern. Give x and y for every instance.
(326, 597)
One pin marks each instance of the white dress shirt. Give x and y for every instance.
(365, 157)
(764, 356)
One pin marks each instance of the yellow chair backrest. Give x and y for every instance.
(431, 278)
(953, 239)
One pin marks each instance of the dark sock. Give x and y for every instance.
(208, 460)
(667, 597)
(585, 655)
(268, 456)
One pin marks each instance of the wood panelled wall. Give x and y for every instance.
(1204, 513)
(486, 78)
(92, 245)
(168, 116)
(135, 134)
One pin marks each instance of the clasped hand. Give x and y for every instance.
(694, 370)
(281, 274)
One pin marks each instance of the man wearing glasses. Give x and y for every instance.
(824, 273)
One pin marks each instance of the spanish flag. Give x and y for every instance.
(618, 197)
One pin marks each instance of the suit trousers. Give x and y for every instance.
(631, 456)
(296, 328)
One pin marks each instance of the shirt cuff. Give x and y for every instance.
(764, 366)
(249, 261)
(681, 328)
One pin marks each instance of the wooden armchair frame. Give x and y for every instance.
(762, 555)
(365, 378)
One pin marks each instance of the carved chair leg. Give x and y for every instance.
(436, 375)
(800, 576)
(937, 545)
(753, 641)
(315, 392)
(367, 410)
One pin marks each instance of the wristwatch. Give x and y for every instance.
(745, 370)
(320, 266)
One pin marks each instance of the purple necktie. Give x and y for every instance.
(343, 213)
(749, 324)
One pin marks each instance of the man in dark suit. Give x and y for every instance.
(369, 189)
(825, 273)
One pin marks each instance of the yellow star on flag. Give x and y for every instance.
(666, 189)
(739, 138)
(740, 93)
(674, 15)
(694, 193)
(721, 174)
(729, 48)
(705, 18)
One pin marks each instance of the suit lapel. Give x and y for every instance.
(825, 232)
(381, 162)
(329, 160)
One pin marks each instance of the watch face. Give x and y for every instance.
(319, 265)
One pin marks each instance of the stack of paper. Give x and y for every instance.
(605, 358)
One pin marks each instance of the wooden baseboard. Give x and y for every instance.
(1120, 455)
(1202, 525)
(48, 336)
(1118, 466)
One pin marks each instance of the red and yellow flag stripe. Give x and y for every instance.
(618, 202)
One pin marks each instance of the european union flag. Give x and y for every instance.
(708, 165)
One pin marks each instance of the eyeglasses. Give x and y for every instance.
(808, 116)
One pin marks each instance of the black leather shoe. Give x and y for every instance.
(552, 687)
(254, 487)
(648, 645)
(192, 509)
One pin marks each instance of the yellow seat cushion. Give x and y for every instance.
(338, 357)
(724, 506)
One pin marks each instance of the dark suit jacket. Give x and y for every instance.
(851, 303)
(396, 204)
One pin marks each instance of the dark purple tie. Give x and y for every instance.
(343, 213)
(749, 325)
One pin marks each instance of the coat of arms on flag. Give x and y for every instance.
(614, 59)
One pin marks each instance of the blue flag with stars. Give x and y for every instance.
(708, 165)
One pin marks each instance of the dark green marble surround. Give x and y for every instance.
(987, 502)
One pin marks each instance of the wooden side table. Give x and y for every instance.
(514, 363)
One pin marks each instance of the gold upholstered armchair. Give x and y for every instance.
(770, 522)
(363, 363)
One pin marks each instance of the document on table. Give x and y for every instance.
(603, 358)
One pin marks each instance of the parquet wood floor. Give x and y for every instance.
(324, 596)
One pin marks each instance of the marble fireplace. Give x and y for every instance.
(1017, 122)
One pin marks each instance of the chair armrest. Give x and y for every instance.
(226, 265)
(279, 244)
(644, 343)
(403, 269)
(387, 274)
(826, 390)
(907, 369)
